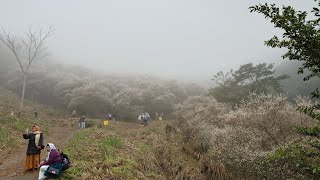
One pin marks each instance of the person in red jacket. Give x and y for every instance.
(53, 159)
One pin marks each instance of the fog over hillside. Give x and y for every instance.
(177, 39)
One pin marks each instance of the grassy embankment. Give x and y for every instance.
(11, 128)
(127, 151)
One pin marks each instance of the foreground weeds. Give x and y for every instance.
(129, 151)
(95, 154)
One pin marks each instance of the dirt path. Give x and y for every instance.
(11, 165)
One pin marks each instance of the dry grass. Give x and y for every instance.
(128, 151)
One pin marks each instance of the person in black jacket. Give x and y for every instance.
(35, 146)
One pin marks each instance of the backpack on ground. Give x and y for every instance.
(65, 161)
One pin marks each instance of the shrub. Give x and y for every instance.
(239, 139)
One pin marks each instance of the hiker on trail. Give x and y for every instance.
(113, 116)
(140, 118)
(157, 116)
(110, 116)
(13, 113)
(148, 116)
(161, 116)
(52, 166)
(35, 146)
(35, 113)
(74, 114)
(145, 118)
(82, 122)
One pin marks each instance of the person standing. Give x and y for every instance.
(82, 122)
(110, 116)
(35, 146)
(113, 116)
(74, 114)
(157, 116)
(36, 113)
(145, 119)
(161, 116)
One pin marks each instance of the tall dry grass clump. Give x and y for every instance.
(232, 143)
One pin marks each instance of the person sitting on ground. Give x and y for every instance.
(35, 146)
(52, 166)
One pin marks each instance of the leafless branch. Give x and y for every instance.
(30, 49)
(13, 45)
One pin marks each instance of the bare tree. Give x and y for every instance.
(27, 50)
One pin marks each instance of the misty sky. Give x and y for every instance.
(177, 39)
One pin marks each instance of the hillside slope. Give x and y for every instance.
(124, 150)
(13, 147)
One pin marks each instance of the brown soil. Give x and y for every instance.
(11, 164)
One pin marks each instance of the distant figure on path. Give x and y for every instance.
(114, 116)
(140, 118)
(82, 122)
(146, 118)
(157, 116)
(34, 148)
(13, 113)
(35, 113)
(110, 116)
(74, 114)
(161, 116)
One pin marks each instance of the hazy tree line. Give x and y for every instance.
(236, 85)
(295, 85)
(93, 94)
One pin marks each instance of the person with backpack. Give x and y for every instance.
(145, 118)
(52, 166)
(35, 146)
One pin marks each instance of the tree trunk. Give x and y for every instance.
(23, 91)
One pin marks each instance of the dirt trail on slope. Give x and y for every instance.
(11, 165)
